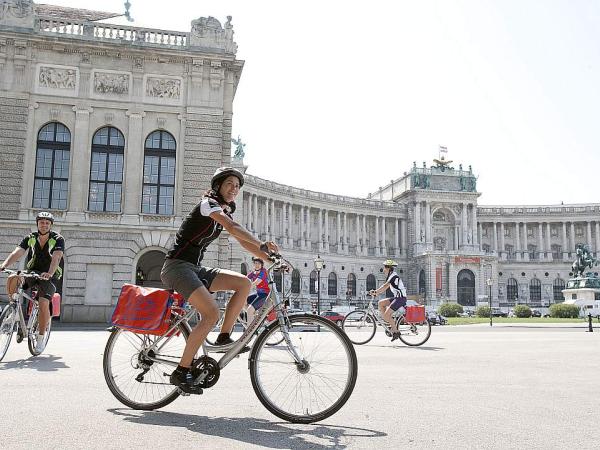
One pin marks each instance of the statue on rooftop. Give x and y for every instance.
(239, 148)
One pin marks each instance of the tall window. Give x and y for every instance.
(51, 180)
(371, 282)
(556, 251)
(106, 173)
(351, 285)
(313, 282)
(295, 281)
(510, 251)
(535, 290)
(532, 250)
(558, 287)
(159, 173)
(332, 284)
(512, 289)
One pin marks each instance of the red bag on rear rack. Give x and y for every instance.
(415, 314)
(145, 310)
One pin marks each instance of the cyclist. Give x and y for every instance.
(45, 248)
(183, 272)
(259, 279)
(387, 306)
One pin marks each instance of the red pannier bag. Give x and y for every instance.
(145, 310)
(415, 314)
(54, 306)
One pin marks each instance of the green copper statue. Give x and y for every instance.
(239, 148)
(584, 259)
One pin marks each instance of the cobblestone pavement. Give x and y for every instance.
(468, 387)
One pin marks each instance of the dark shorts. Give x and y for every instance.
(185, 277)
(257, 300)
(397, 302)
(45, 288)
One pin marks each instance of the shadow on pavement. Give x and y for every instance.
(255, 431)
(408, 347)
(42, 363)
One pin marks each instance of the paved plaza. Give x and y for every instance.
(467, 387)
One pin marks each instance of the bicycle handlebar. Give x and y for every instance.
(22, 273)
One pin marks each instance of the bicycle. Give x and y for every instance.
(360, 326)
(306, 379)
(12, 317)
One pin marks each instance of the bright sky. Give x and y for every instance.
(342, 96)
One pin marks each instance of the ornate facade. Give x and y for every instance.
(118, 129)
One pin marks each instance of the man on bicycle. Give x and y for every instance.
(388, 306)
(45, 251)
(259, 279)
(183, 272)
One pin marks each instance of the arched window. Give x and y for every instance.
(244, 269)
(159, 173)
(332, 284)
(106, 172)
(535, 290)
(351, 285)
(51, 180)
(313, 282)
(371, 282)
(558, 287)
(295, 281)
(512, 289)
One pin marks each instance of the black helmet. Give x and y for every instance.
(44, 215)
(223, 172)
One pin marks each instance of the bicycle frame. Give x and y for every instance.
(18, 302)
(232, 350)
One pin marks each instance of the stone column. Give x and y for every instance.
(308, 229)
(427, 223)
(404, 235)
(502, 245)
(346, 236)
(518, 235)
(273, 216)
(476, 239)
(358, 244)
(290, 218)
(572, 249)
(338, 229)
(383, 243)
(540, 240)
(495, 246)
(525, 243)
(284, 233)
(80, 171)
(327, 230)
(417, 222)
(266, 220)
(249, 212)
(548, 243)
(588, 234)
(302, 228)
(134, 166)
(464, 225)
(396, 238)
(565, 245)
(364, 235)
(320, 229)
(597, 239)
(255, 214)
(377, 248)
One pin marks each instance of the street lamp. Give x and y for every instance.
(490, 282)
(318, 267)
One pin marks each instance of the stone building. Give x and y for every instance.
(117, 130)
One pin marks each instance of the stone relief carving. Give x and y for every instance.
(163, 88)
(439, 216)
(55, 78)
(18, 9)
(111, 83)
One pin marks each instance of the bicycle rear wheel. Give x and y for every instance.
(316, 388)
(132, 377)
(7, 326)
(359, 326)
(33, 333)
(413, 334)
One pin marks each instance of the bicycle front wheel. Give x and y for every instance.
(136, 380)
(413, 334)
(359, 326)
(32, 337)
(7, 326)
(313, 389)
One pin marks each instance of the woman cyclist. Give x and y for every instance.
(388, 306)
(183, 272)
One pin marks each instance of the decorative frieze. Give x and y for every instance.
(57, 80)
(111, 84)
(163, 89)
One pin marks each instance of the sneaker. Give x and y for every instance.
(19, 336)
(184, 381)
(39, 343)
(225, 339)
(395, 336)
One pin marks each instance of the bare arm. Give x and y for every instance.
(16, 254)
(381, 289)
(242, 235)
(56, 257)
